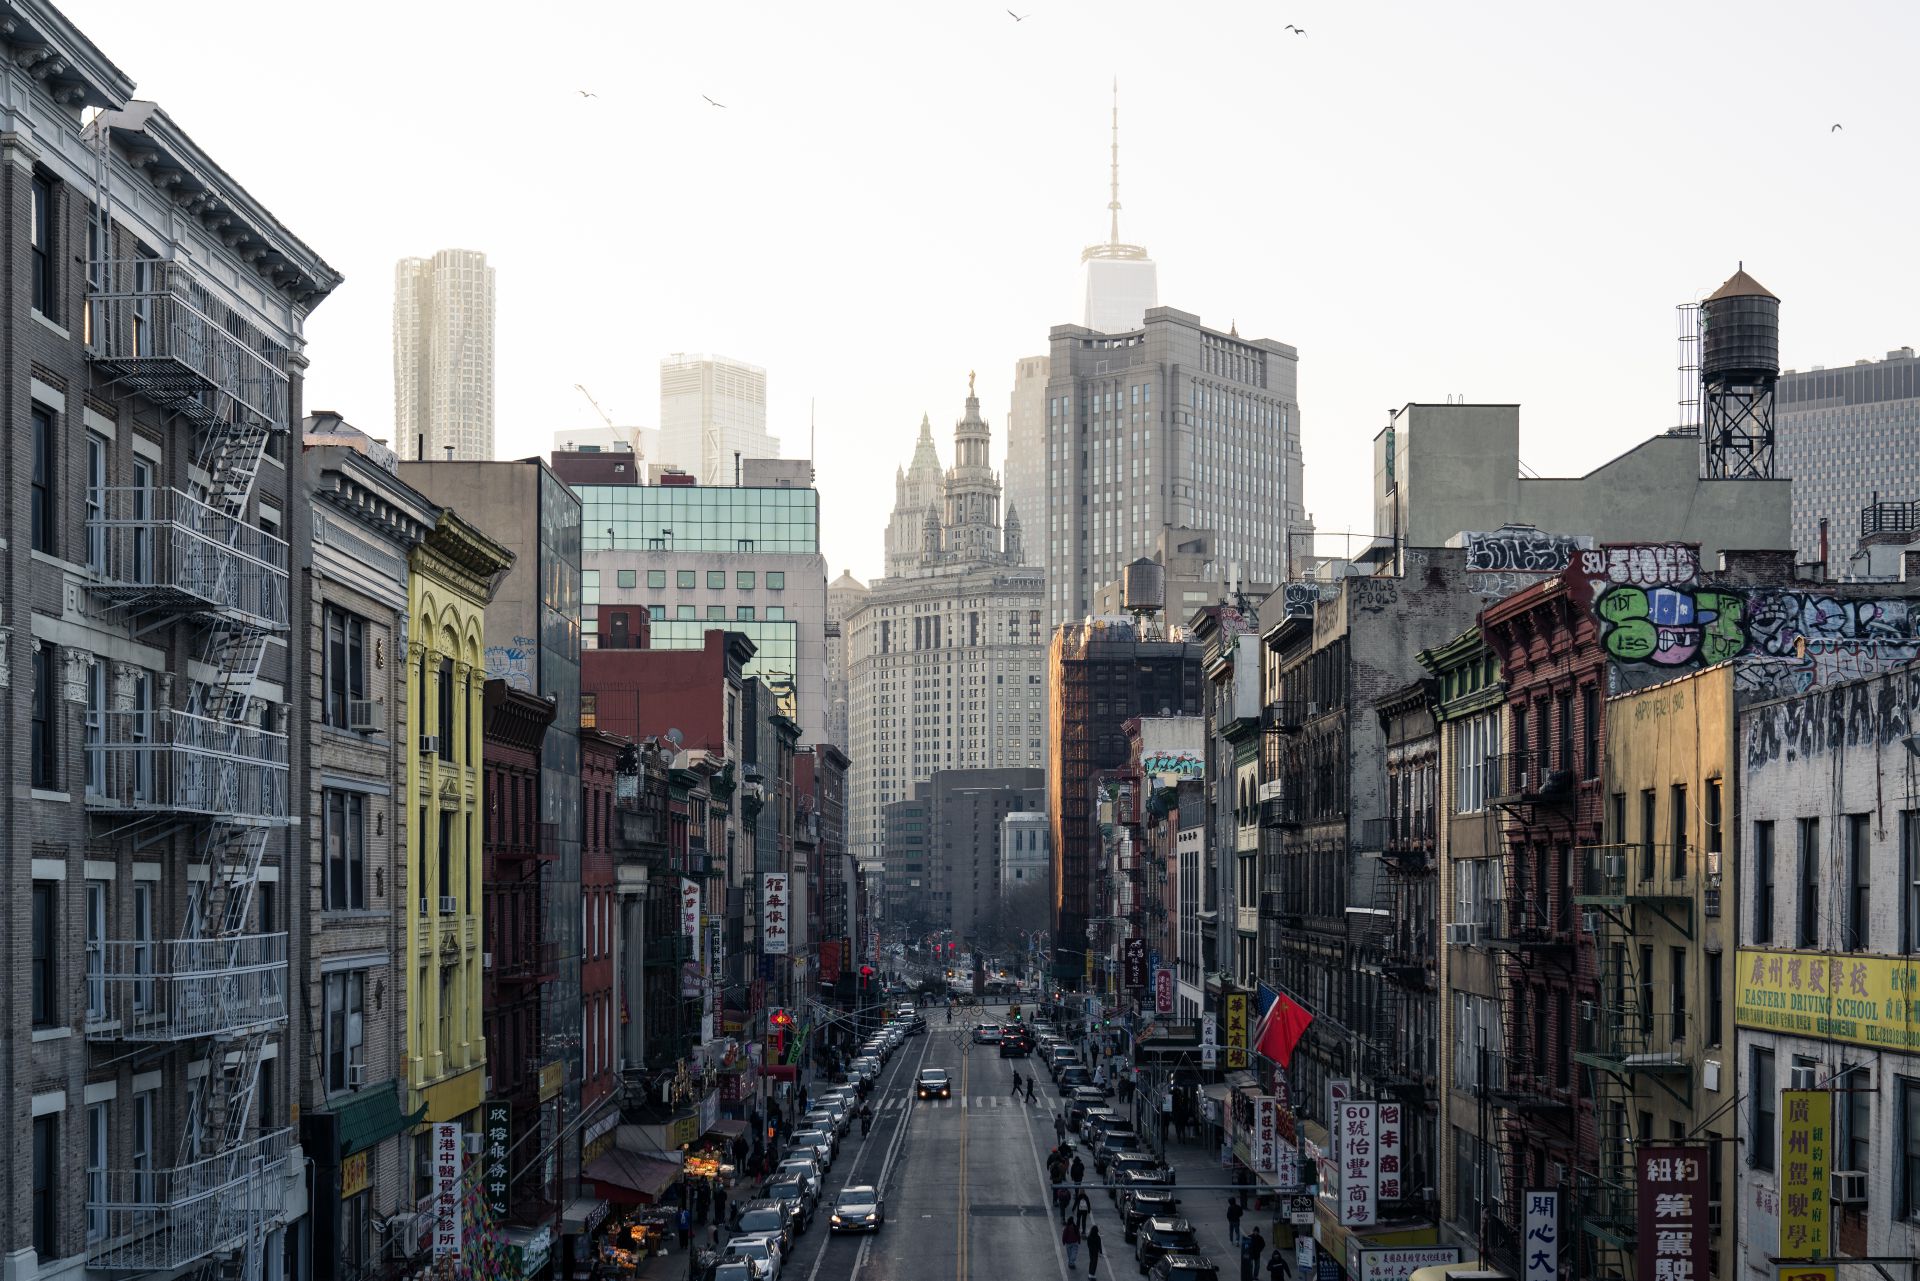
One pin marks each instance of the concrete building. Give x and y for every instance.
(1026, 851)
(945, 654)
(713, 415)
(1439, 470)
(691, 558)
(1822, 983)
(443, 356)
(1193, 578)
(1171, 425)
(358, 523)
(155, 340)
(642, 442)
(1119, 282)
(1847, 438)
(844, 597)
(1023, 478)
(968, 808)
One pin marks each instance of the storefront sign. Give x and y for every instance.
(446, 1188)
(353, 1175)
(535, 1250)
(1390, 1114)
(690, 915)
(1262, 1141)
(683, 1130)
(1802, 1272)
(1303, 1252)
(1397, 1263)
(598, 1140)
(1670, 1203)
(1863, 1000)
(1806, 1137)
(552, 1077)
(1339, 1090)
(496, 1128)
(1237, 1030)
(1163, 990)
(1209, 1046)
(775, 914)
(1136, 962)
(1542, 1243)
(1359, 1164)
(829, 960)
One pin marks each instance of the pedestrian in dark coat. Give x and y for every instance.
(720, 1203)
(1070, 1237)
(1079, 1171)
(1256, 1246)
(686, 1227)
(1082, 1209)
(1093, 1249)
(1234, 1211)
(1062, 1202)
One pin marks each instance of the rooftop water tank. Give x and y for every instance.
(1740, 331)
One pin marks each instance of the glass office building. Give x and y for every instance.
(692, 518)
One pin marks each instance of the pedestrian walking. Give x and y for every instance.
(1234, 1211)
(1079, 1168)
(1029, 1089)
(1082, 1209)
(1093, 1249)
(686, 1227)
(1070, 1237)
(720, 1203)
(1256, 1246)
(1059, 1128)
(1277, 1269)
(1061, 1201)
(1016, 1085)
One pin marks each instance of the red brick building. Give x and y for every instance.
(599, 1010)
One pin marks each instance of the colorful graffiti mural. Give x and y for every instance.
(1876, 712)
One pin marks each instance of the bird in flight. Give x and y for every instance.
(1835, 129)
(585, 94)
(1018, 17)
(711, 101)
(1298, 31)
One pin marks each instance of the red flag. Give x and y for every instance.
(1281, 1029)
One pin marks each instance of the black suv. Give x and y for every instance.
(780, 1217)
(1015, 1043)
(1144, 1203)
(1184, 1267)
(1157, 1238)
(1135, 1170)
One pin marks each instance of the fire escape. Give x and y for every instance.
(1628, 1045)
(209, 760)
(1533, 934)
(1409, 948)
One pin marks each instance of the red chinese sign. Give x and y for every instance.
(1671, 1209)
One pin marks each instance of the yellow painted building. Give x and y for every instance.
(454, 573)
(1658, 1037)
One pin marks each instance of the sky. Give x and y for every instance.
(1501, 200)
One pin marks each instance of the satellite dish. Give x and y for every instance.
(674, 736)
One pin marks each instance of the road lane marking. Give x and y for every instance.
(886, 1175)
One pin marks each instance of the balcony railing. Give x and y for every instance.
(1613, 875)
(169, 762)
(162, 1221)
(157, 330)
(1284, 716)
(1626, 1039)
(162, 549)
(1528, 777)
(537, 963)
(178, 989)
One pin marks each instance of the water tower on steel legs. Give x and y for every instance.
(1739, 367)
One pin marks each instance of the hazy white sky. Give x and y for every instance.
(1502, 199)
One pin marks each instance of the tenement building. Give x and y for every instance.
(154, 334)
(946, 657)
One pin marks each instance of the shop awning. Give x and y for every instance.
(374, 1114)
(727, 1128)
(1242, 1081)
(627, 1178)
(582, 1215)
(1217, 1092)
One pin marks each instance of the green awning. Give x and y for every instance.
(373, 1114)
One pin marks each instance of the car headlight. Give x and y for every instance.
(836, 1218)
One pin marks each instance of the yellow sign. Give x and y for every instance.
(1237, 1030)
(1796, 1272)
(684, 1130)
(1865, 1000)
(1806, 1136)
(552, 1077)
(353, 1175)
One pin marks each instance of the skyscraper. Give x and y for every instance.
(1846, 438)
(1175, 426)
(1121, 282)
(1026, 479)
(713, 410)
(443, 356)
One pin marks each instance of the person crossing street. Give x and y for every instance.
(1093, 1250)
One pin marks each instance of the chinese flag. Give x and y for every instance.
(1280, 1030)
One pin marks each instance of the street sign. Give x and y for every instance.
(1300, 1210)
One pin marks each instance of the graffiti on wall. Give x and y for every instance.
(512, 663)
(1641, 565)
(1875, 713)
(1521, 548)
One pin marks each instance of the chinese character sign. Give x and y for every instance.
(446, 1188)
(1237, 1030)
(1389, 1149)
(1541, 1247)
(1359, 1163)
(1262, 1136)
(1806, 1138)
(690, 914)
(1208, 1043)
(1163, 990)
(775, 914)
(1136, 962)
(496, 1125)
(1670, 1202)
(1339, 1090)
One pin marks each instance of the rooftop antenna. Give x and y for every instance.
(1113, 205)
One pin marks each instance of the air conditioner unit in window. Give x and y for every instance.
(1850, 1187)
(449, 905)
(1616, 865)
(1801, 1077)
(426, 907)
(363, 715)
(486, 960)
(1589, 1011)
(1590, 922)
(356, 1075)
(1462, 933)
(429, 744)
(473, 1141)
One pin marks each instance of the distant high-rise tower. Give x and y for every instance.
(1025, 475)
(443, 356)
(713, 410)
(1121, 281)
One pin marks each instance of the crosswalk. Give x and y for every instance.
(973, 1103)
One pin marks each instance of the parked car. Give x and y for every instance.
(1072, 1078)
(859, 1209)
(933, 1083)
(822, 1142)
(1136, 1169)
(1115, 1143)
(1159, 1237)
(1143, 1203)
(762, 1250)
(731, 1270)
(1184, 1267)
(765, 1216)
(1083, 1101)
(792, 1185)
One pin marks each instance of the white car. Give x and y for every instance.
(818, 1141)
(760, 1249)
(825, 1118)
(866, 1068)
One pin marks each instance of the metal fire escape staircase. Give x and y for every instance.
(218, 766)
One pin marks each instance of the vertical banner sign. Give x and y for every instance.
(1163, 990)
(446, 1188)
(1541, 1255)
(1237, 1030)
(1262, 1137)
(1806, 1135)
(1339, 1091)
(1136, 963)
(496, 1123)
(1389, 1148)
(775, 915)
(690, 914)
(1670, 1205)
(1209, 1043)
(1360, 1164)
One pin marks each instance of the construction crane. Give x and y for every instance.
(604, 416)
(629, 437)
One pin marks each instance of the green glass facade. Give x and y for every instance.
(699, 518)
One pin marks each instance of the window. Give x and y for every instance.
(345, 887)
(96, 951)
(1714, 846)
(589, 711)
(1854, 1103)
(1762, 1100)
(656, 578)
(1910, 881)
(716, 613)
(45, 514)
(657, 612)
(1565, 712)
(627, 578)
(41, 237)
(1647, 830)
(716, 580)
(1763, 882)
(1472, 744)
(1909, 1099)
(1859, 886)
(97, 1132)
(776, 613)
(140, 1159)
(344, 679)
(1646, 989)
(1716, 999)
(683, 612)
(446, 854)
(140, 733)
(346, 1010)
(1563, 1056)
(776, 581)
(140, 496)
(1809, 933)
(1617, 817)
(1677, 799)
(41, 967)
(143, 946)
(96, 502)
(743, 613)
(356, 1232)
(46, 1158)
(1677, 958)
(445, 687)
(94, 726)
(744, 580)
(1590, 725)
(683, 578)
